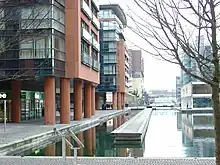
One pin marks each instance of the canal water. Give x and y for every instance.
(164, 138)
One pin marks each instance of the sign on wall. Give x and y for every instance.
(109, 97)
(3, 95)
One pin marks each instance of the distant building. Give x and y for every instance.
(196, 95)
(178, 90)
(136, 71)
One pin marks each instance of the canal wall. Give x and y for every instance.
(48, 137)
(133, 130)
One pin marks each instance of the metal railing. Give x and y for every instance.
(65, 140)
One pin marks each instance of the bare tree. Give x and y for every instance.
(19, 26)
(177, 29)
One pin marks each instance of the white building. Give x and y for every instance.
(196, 95)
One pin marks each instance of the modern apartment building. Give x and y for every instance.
(47, 45)
(113, 55)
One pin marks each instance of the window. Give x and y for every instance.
(109, 81)
(109, 46)
(84, 47)
(109, 58)
(110, 69)
(84, 25)
(202, 102)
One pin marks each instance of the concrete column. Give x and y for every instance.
(88, 141)
(93, 108)
(49, 101)
(115, 123)
(50, 150)
(16, 101)
(78, 100)
(80, 137)
(123, 99)
(64, 101)
(119, 100)
(97, 101)
(114, 97)
(88, 91)
(94, 141)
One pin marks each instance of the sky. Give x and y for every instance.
(158, 74)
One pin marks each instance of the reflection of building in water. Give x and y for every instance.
(136, 152)
(179, 120)
(199, 147)
(198, 125)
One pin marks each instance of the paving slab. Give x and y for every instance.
(105, 161)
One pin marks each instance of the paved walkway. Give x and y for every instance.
(105, 161)
(18, 132)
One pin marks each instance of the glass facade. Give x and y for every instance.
(111, 28)
(31, 105)
(32, 38)
(202, 102)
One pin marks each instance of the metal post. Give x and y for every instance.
(5, 116)
(64, 147)
(75, 155)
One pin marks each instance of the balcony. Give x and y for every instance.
(96, 44)
(96, 65)
(86, 59)
(126, 74)
(86, 9)
(126, 64)
(96, 3)
(95, 21)
(86, 35)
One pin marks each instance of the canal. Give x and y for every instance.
(164, 138)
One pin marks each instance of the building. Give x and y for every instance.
(178, 90)
(196, 95)
(46, 50)
(113, 56)
(137, 72)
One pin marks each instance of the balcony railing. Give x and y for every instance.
(86, 9)
(96, 3)
(95, 21)
(126, 64)
(126, 74)
(96, 65)
(86, 35)
(96, 44)
(86, 59)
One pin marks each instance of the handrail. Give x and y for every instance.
(76, 139)
(65, 140)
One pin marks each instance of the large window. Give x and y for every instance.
(110, 69)
(109, 47)
(84, 47)
(42, 16)
(110, 36)
(41, 47)
(109, 58)
(202, 102)
(109, 80)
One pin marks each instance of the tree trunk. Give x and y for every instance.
(216, 113)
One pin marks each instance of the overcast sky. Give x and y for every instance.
(158, 74)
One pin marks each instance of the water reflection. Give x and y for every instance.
(163, 139)
(170, 134)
